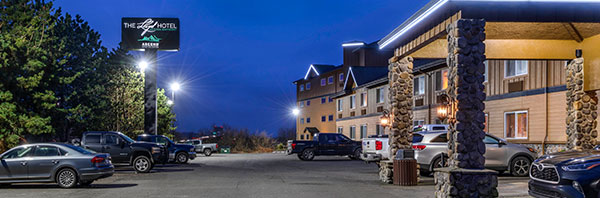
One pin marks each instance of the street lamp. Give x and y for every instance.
(175, 86)
(169, 102)
(296, 111)
(143, 65)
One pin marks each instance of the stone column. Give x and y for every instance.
(466, 176)
(581, 110)
(401, 100)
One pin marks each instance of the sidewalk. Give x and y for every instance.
(508, 186)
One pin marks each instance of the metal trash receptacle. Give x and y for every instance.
(405, 168)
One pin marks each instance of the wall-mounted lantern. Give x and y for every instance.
(447, 109)
(385, 120)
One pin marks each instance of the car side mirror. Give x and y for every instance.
(501, 142)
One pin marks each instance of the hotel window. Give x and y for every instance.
(323, 118)
(340, 130)
(342, 77)
(302, 87)
(323, 82)
(307, 120)
(515, 125)
(363, 99)
(352, 132)
(308, 103)
(441, 80)
(419, 85)
(486, 127)
(380, 95)
(379, 130)
(485, 75)
(515, 68)
(363, 131)
(323, 100)
(330, 99)
(330, 80)
(301, 103)
(330, 117)
(307, 86)
(340, 105)
(352, 102)
(301, 120)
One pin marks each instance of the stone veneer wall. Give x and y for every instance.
(466, 176)
(581, 110)
(550, 148)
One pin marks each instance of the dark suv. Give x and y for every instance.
(141, 155)
(566, 174)
(179, 153)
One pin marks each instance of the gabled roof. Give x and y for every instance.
(362, 75)
(311, 130)
(318, 69)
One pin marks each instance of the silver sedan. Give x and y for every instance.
(64, 164)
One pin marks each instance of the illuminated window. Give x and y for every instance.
(515, 68)
(515, 125)
(441, 80)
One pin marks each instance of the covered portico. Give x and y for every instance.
(467, 33)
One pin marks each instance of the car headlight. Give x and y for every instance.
(156, 150)
(581, 167)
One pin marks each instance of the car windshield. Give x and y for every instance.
(79, 149)
(127, 138)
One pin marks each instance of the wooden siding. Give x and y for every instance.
(536, 77)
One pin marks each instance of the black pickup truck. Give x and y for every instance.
(122, 149)
(326, 144)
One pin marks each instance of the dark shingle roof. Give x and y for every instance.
(311, 130)
(364, 75)
(321, 69)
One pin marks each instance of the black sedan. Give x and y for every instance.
(566, 174)
(67, 165)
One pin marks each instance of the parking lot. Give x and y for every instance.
(250, 175)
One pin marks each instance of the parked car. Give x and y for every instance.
(375, 148)
(566, 174)
(430, 127)
(179, 153)
(431, 152)
(141, 155)
(65, 164)
(326, 144)
(205, 148)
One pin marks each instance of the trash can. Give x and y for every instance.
(405, 168)
(225, 150)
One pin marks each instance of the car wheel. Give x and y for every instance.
(87, 183)
(438, 163)
(207, 152)
(182, 158)
(520, 166)
(66, 178)
(142, 164)
(357, 153)
(308, 154)
(300, 156)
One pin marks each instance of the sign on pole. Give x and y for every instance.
(150, 33)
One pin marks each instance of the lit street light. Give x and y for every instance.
(175, 86)
(143, 65)
(169, 102)
(296, 111)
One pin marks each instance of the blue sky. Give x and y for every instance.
(238, 59)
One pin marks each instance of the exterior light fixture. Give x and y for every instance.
(169, 102)
(296, 111)
(353, 44)
(447, 108)
(143, 65)
(386, 119)
(175, 86)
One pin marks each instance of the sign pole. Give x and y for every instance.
(150, 115)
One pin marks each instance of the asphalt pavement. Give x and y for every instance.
(250, 175)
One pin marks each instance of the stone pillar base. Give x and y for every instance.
(459, 182)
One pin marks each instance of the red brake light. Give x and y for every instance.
(378, 145)
(216, 146)
(293, 145)
(97, 159)
(418, 147)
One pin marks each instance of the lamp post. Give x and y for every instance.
(174, 87)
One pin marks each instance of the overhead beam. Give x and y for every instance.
(573, 32)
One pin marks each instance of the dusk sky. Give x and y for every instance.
(238, 59)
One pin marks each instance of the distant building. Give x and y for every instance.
(315, 92)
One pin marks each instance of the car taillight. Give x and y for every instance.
(378, 145)
(293, 145)
(216, 146)
(97, 159)
(418, 147)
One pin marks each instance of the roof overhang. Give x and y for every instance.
(436, 11)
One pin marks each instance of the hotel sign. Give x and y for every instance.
(150, 33)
